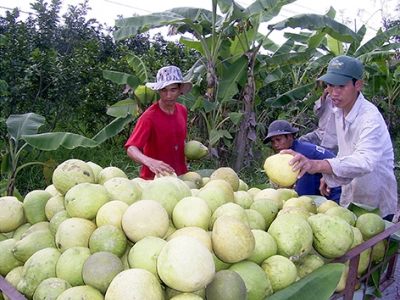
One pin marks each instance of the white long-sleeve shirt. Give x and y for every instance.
(364, 165)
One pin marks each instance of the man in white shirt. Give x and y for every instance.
(364, 166)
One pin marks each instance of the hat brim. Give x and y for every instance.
(275, 133)
(186, 87)
(335, 79)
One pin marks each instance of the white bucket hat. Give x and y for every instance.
(170, 75)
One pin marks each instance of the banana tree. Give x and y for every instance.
(23, 136)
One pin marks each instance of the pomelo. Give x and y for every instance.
(144, 218)
(223, 185)
(81, 292)
(287, 193)
(85, 199)
(232, 239)
(227, 174)
(253, 191)
(74, 232)
(57, 219)
(213, 196)
(256, 220)
(11, 214)
(378, 251)
(34, 206)
(195, 150)
(100, 268)
(69, 265)
(44, 225)
(219, 264)
(193, 177)
(295, 210)
(308, 264)
(52, 190)
(196, 232)
(267, 208)
(96, 170)
(170, 293)
(295, 202)
(110, 172)
(310, 203)
(54, 205)
(7, 260)
(229, 209)
(270, 193)
(344, 213)
(281, 271)
(265, 247)
(279, 171)
(333, 236)
(144, 254)
(258, 285)
(134, 284)
(50, 288)
(243, 186)
(292, 234)
(370, 224)
(243, 198)
(108, 238)
(13, 277)
(17, 233)
(123, 189)
(187, 296)
(71, 172)
(227, 285)
(185, 264)
(33, 242)
(191, 211)
(111, 213)
(324, 206)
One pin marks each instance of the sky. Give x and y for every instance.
(349, 12)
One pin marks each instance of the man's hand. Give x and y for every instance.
(158, 167)
(304, 164)
(324, 189)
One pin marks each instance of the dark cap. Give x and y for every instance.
(279, 127)
(342, 69)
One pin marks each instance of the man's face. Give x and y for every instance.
(281, 142)
(344, 96)
(170, 94)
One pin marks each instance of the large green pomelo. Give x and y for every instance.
(144, 254)
(81, 292)
(292, 234)
(308, 264)
(196, 232)
(171, 293)
(85, 199)
(111, 213)
(7, 259)
(74, 232)
(227, 285)
(333, 236)
(232, 239)
(193, 177)
(279, 171)
(267, 208)
(144, 218)
(243, 198)
(270, 193)
(71, 172)
(96, 170)
(35, 227)
(258, 285)
(57, 219)
(195, 150)
(165, 193)
(185, 264)
(229, 209)
(281, 271)
(39, 239)
(344, 213)
(108, 173)
(191, 211)
(223, 185)
(214, 197)
(227, 174)
(11, 214)
(50, 288)
(265, 247)
(34, 206)
(17, 233)
(123, 189)
(54, 205)
(108, 238)
(370, 224)
(40, 266)
(69, 265)
(256, 220)
(100, 268)
(134, 284)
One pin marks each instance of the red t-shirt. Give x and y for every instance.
(161, 136)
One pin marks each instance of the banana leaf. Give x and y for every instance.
(53, 140)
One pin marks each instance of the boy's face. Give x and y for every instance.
(281, 142)
(344, 96)
(169, 94)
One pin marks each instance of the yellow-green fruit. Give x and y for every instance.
(343, 280)
(310, 203)
(134, 284)
(108, 173)
(256, 220)
(243, 198)
(281, 271)
(258, 285)
(264, 248)
(191, 211)
(185, 264)
(70, 173)
(70, 263)
(13, 277)
(308, 264)
(214, 197)
(34, 206)
(187, 296)
(108, 238)
(378, 251)
(194, 178)
(54, 205)
(324, 206)
(279, 171)
(227, 174)
(287, 193)
(295, 210)
(343, 213)
(7, 259)
(357, 237)
(229, 233)
(95, 168)
(223, 185)
(270, 193)
(333, 236)
(196, 232)
(292, 234)
(32, 243)
(195, 150)
(296, 202)
(123, 189)
(370, 224)
(50, 288)
(81, 292)
(11, 214)
(229, 209)
(267, 208)
(227, 285)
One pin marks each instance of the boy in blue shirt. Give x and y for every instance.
(281, 136)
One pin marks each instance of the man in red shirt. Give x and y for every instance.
(158, 139)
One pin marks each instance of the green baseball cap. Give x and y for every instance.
(342, 69)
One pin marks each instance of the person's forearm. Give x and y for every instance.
(320, 166)
(137, 156)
